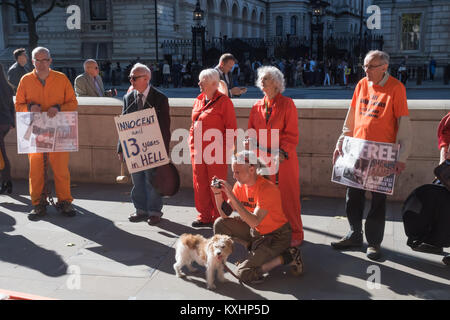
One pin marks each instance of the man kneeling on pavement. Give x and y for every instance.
(261, 226)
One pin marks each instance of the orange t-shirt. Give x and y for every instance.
(377, 109)
(265, 195)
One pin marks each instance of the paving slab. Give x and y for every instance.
(99, 254)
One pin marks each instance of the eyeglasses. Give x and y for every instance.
(134, 78)
(373, 67)
(41, 60)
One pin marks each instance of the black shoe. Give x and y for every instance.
(38, 212)
(428, 248)
(373, 252)
(138, 217)
(198, 224)
(346, 243)
(66, 208)
(446, 260)
(6, 186)
(297, 261)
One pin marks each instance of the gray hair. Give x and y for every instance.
(249, 158)
(274, 73)
(89, 61)
(380, 55)
(210, 74)
(38, 50)
(141, 67)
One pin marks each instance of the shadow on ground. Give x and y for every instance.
(18, 250)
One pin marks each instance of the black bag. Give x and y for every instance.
(426, 216)
(166, 180)
(442, 172)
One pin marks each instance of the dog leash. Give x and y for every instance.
(232, 273)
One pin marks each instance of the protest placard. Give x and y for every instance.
(38, 133)
(366, 165)
(141, 139)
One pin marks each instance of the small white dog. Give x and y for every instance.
(211, 253)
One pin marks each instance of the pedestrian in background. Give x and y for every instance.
(19, 68)
(166, 74)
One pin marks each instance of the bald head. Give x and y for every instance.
(91, 67)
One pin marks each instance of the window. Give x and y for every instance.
(21, 17)
(96, 50)
(410, 31)
(293, 25)
(279, 26)
(98, 9)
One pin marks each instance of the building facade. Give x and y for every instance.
(417, 31)
(122, 30)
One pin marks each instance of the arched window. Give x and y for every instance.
(294, 25)
(279, 26)
(223, 22)
(235, 14)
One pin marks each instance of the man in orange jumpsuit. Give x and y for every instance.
(45, 90)
(276, 111)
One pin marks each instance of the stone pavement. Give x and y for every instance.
(100, 255)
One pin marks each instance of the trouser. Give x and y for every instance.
(166, 80)
(375, 221)
(144, 196)
(289, 185)
(6, 172)
(59, 161)
(205, 203)
(327, 79)
(263, 248)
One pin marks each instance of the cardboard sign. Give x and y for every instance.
(141, 139)
(37, 133)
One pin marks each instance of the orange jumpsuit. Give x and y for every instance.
(283, 116)
(57, 91)
(217, 114)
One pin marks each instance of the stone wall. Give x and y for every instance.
(320, 123)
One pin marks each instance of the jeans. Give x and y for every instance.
(327, 79)
(375, 221)
(144, 197)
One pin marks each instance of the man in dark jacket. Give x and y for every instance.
(146, 199)
(18, 69)
(226, 63)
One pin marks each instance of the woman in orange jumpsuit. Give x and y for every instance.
(212, 114)
(276, 111)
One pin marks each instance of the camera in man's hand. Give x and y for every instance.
(216, 183)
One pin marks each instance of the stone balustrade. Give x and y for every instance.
(320, 123)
